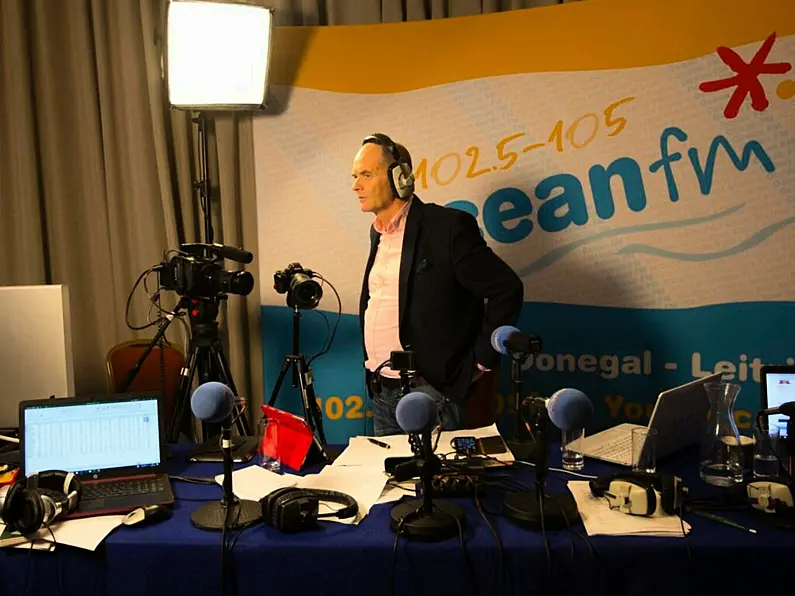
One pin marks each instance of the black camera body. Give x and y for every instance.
(299, 285)
(194, 274)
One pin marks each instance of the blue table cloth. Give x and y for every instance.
(172, 557)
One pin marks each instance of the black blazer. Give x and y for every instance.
(454, 291)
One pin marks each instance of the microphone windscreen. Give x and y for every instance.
(569, 409)
(416, 413)
(212, 402)
(498, 337)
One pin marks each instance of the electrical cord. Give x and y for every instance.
(393, 573)
(326, 349)
(193, 480)
(504, 577)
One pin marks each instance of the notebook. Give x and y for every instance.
(679, 417)
(114, 443)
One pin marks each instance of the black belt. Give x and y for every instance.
(397, 383)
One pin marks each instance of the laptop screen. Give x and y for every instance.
(780, 388)
(91, 437)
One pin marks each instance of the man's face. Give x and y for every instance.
(370, 182)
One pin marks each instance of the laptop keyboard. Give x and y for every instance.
(123, 488)
(619, 448)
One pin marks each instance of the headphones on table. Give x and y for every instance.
(39, 500)
(641, 493)
(401, 178)
(771, 497)
(293, 509)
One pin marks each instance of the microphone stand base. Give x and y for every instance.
(522, 449)
(243, 449)
(212, 516)
(524, 510)
(442, 523)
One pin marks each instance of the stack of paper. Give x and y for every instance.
(359, 471)
(598, 518)
(369, 457)
(253, 483)
(362, 484)
(86, 532)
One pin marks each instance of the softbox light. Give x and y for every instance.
(218, 55)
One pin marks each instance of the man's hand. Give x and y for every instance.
(478, 372)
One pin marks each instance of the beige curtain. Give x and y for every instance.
(97, 173)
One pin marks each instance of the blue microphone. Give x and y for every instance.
(424, 518)
(417, 413)
(509, 341)
(569, 409)
(212, 402)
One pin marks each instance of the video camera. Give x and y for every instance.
(298, 283)
(197, 272)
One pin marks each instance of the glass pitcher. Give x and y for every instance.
(721, 451)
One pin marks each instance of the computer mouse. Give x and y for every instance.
(147, 515)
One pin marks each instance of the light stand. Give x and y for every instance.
(538, 509)
(230, 513)
(425, 519)
(521, 445)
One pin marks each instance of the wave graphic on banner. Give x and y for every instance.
(561, 251)
(747, 244)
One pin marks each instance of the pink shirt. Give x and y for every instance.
(381, 318)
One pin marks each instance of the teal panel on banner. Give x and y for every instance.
(338, 375)
(623, 358)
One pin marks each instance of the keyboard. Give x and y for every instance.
(618, 448)
(122, 488)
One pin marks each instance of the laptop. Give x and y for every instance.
(115, 444)
(778, 387)
(679, 417)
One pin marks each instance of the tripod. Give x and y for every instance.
(205, 357)
(303, 377)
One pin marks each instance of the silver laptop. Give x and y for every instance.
(679, 417)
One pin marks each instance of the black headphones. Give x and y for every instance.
(401, 179)
(40, 499)
(636, 493)
(296, 509)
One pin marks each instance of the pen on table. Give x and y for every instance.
(379, 443)
(722, 520)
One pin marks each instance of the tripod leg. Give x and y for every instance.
(277, 387)
(178, 421)
(311, 409)
(226, 377)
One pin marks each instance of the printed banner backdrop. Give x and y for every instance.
(634, 162)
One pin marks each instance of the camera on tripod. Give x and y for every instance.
(298, 283)
(197, 271)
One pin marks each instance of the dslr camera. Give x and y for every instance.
(197, 271)
(298, 283)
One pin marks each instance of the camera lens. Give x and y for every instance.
(236, 282)
(306, 292)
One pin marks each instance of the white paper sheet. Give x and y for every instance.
(85, 532)
(362, 452)
(598, 518)
(363, 483)
(253, 482)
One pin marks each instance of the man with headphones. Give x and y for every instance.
(431, 285)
